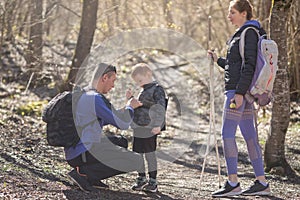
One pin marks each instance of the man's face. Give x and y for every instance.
(106, 83)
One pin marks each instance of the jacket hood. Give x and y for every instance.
(251, 23)
(256, 24)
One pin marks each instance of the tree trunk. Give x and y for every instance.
(10, 19)
(85, 38)
(35, 46)
(294, 46)
(51, 6)
(116, 5)
(275, 148)
(264, 8)
(22, 20)
(167, 13)
(167, 4)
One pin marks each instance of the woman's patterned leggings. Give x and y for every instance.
(244, 118)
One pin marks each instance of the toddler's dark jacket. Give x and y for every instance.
(152, 113)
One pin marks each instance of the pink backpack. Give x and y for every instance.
(261, 87)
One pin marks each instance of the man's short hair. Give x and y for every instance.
(103, 69)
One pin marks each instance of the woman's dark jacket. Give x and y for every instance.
(237, 77)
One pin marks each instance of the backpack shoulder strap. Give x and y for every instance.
(242, 42)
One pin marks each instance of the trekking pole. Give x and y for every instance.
(256, 118)
(213, 119)
(212, 112)
(212, 105)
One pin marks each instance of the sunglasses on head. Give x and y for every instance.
(110, 68)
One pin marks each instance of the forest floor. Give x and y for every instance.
(31, 169)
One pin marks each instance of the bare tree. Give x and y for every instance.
(35, 46)
(116, 5)
(167, 12)
(263, 12)
(10, 18)
(7, 17)
(22, 17)
(2, 24)
(85, 38)
(275, 148)
(51, 7)
(294, 48)
(61, 23)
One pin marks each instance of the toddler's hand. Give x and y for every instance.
(134, 103)
(129, 94)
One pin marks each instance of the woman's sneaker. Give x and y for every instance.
(257, 189)
(141, 182)
(151, 186)
(228, 190)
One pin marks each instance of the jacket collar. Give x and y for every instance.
(149, 85)
(249, 23)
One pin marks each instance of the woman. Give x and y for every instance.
(237, 82)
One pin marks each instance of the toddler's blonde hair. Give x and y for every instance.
(142, 69)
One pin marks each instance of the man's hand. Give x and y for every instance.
(134, 103)
(156, 130)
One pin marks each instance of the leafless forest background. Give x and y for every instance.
(44, 42)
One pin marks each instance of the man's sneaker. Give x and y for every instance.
(257, 189)
(99, 185)
(81, 181)
(228, 190)
(151, 186)
(141, 182)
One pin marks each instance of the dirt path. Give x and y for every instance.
(31, 170)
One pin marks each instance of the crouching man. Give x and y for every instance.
(96, 157)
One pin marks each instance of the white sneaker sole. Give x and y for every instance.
(262, 193)
(153, 191)
(229, 194)
(140, 188)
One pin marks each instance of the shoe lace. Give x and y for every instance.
(226, 185)
(256, 183)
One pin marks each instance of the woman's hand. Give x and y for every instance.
(212, 54)
(238, 100)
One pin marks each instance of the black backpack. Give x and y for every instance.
(58, 114)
